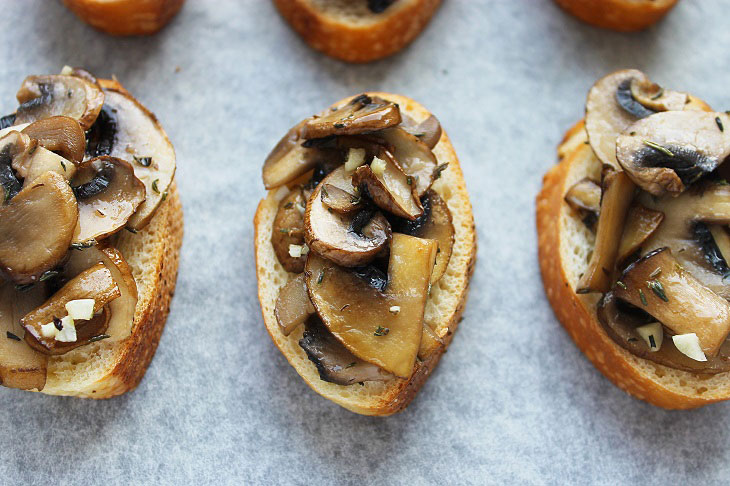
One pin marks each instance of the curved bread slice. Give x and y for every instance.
(348, 30)
(443, 309)
(564, 244)
(125, 17)
(621, 15)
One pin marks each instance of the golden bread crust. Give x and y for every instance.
(621, 15)
(125, 17)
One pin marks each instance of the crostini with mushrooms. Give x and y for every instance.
(90, 229)
(633, 240)
(365, 245)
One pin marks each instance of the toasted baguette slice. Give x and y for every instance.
(125, 17)
(443, 308)
(348, 30)
(621, 15)
(104, 369)
(564, 244)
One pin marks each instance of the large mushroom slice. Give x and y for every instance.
(349, 239)
(666, 152)
(413, 156)
(20, 365)
(660, 286)
(60, 134)
(389, 187)
(94, 283)
(108, 194)
(381, 327)
(333, 360)
(362, 114)
(287, 232)
(59, 95)
(140, 140)
(616, 101)
(40, 220)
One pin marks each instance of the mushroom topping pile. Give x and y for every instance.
(661, 250)
(363, 235)
(63, 284)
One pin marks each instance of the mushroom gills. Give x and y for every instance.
(362, 114)
(334, 362)
(379, 6)
(709, 238)
(94, 283)
(360, 317)
(102, 135)
(13, 145)
(59, 95)
(293, 306)
(41, 220)
(659, 285)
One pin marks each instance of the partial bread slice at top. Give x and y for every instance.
(125, 17)
(443, 308)
(348, 30)
(564, 244)
(621, 15)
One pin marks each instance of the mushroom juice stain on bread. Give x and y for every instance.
(90, 230)
(365, 245)
(633, 240)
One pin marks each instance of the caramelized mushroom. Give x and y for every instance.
(37, 161)
(40, 220)
(389, 188)
(413, 156)
(60, 134)
(362, 114)
(382, 328)
(108, 194)
(288, 230)
(666, 152)
(53, 95)
(13, 146)
(340, 200)
(428, 131)
(288, 159)
(659, 285)
(293, 306)
(351, 239)
(641, 223)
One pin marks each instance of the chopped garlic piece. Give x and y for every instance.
(281, 193)
(689, 345)
(80, 309)
(653, 334)
(68, 333)
(49, 330)
(355, 158)
(394, 309)
(296, 251)
(377, 166)
(67, 70)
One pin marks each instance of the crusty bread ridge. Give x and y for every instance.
(564, 244)
(443, 309)
(621, 15)
(347, 30)
(103, 369)
(125, 17)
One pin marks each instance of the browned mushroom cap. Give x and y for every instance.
(94, 283)
(40, 220)
(138, 138)
(288, 229)
(617, 195)
(621, 324)
(389, 188)
(641, 223)
(611, 108)
(666, 152)
(293, 306)
(20, 366)
(382, 328)
(428, 131)
(412, 156)
(362, 114)
(349, 239)
(333, 361)
(659, 285)
(108, 194)
(60, 134)
(53, 95)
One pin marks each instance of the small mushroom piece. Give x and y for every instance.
(585, 197)
(413, 156)
(658, 285)
(108, 194)
(611, 108)
(288, 229)
(362, 114)
(14, 146)
(60, 134)
(59, 95)
(654, 97)
(428, 131)
(722, 243)
(668, 151)
(641, 222)
(94, 283)
(40, 220)
(20, 366)
(617, 195)
(333, 360)
(140, 140)
(348, 239)
(359, 315)
(435, 224)
(293, 306)
(340, 200)
(37, 161)
(388, 187)
(288, 159)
